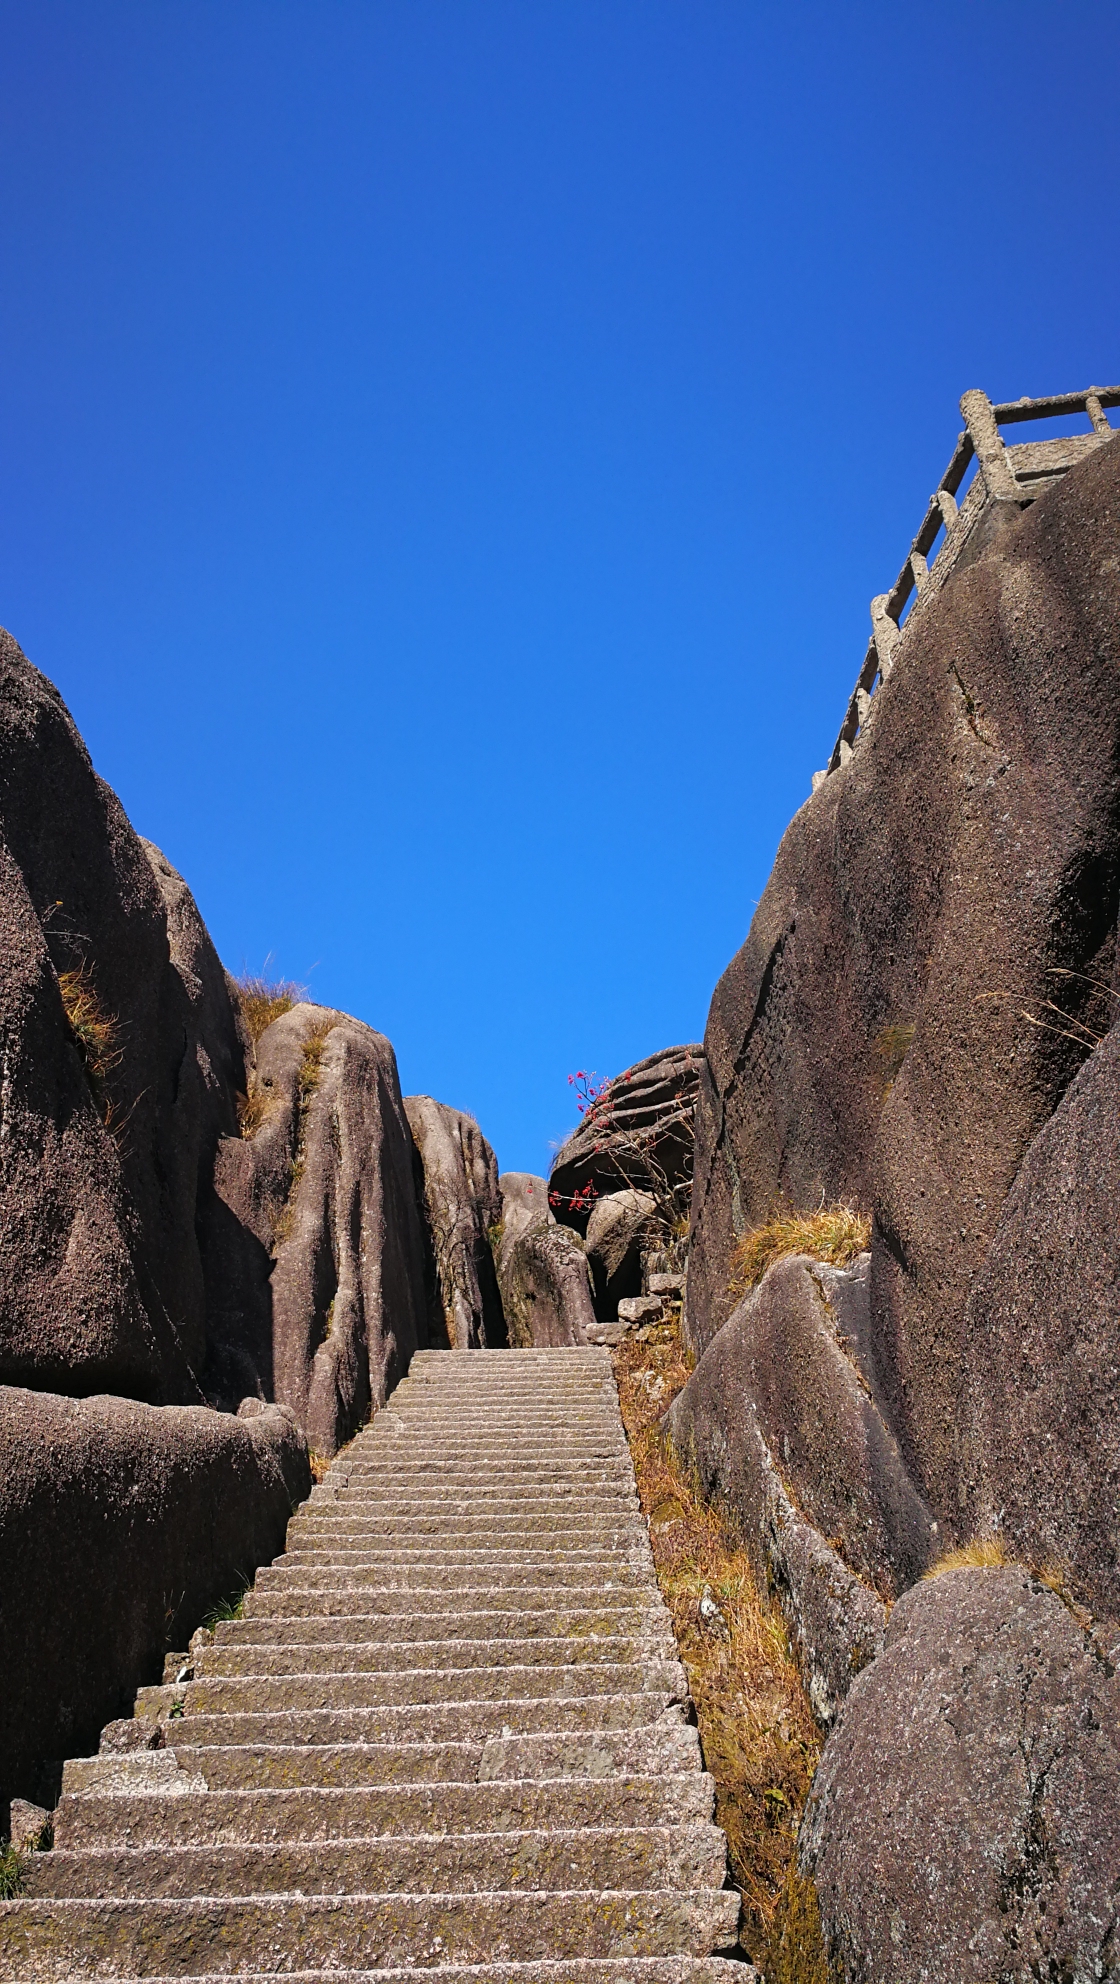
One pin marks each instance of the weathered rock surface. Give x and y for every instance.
(638, 1133)
(326, 1187)
(870, 1041)
(457, 1188)
(524, 1198)
(616, 1229)
(120, 1524)
(963, 1824)
(1039, 1425)
(102, 1283)
(542, 1270)
(787, 1366)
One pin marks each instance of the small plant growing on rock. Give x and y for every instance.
(11, 1872)
(94, 1033)
(232, 1607)
(836, 1234)
(263, 1000)
(983, 1553)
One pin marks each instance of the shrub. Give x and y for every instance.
(263, 1000)
(835, 1234)
(94, 1030)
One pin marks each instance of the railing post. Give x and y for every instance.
(988, 443)
(1095, 411)
(885, 632)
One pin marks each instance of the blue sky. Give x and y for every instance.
(450, 446)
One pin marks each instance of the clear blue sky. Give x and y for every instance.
(449, 449)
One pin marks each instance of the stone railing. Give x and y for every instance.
(1007, 478)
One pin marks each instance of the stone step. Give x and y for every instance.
(351, 1510)
(399, 1572)
(485, 1525)
(210, 1818)
(292, 1602)
(395, 1538)
(206, 1937)
(435, 1722)
(530, 1498)
(683, 1857)
(574, 1970)
(270, 1693)
(412, 1627)
(446, 1739)
(669, 1745)
(351, 1656)
(547, 1471)
(381, 1543)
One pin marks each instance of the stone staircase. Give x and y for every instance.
(446, 1739)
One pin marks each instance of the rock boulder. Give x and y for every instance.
(542, 1270)
(874, 1041)
(1039, 1423)
(963, 1824)
(120, 1524)
(638, 1133)
(122, 1066)
(326, 1187)
(616, 1229)
(782, 1428)
(462, 1205)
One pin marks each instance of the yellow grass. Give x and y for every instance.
(984, 1553)
(94, 1030)
(835, 1234)
(263, 1000)
(759, 1738)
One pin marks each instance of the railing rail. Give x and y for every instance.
(1011, 476)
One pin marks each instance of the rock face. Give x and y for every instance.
(963, 1823)
(873, 1040)
(326, 1188)
(639, 1132)
(458, 1189)
(1039, 1425)
(542, 1270)
(119, 1525)
(618, 1224)
(111, 1117)
(781, 1426)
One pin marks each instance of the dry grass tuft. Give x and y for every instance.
(94, 1030)
(835, 1234)
(251, 1112)
(760, 1741)
(796, 1952)
(984, 1553)
(320, 1464)
(263, 1000)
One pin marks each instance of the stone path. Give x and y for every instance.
(446, 1740)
